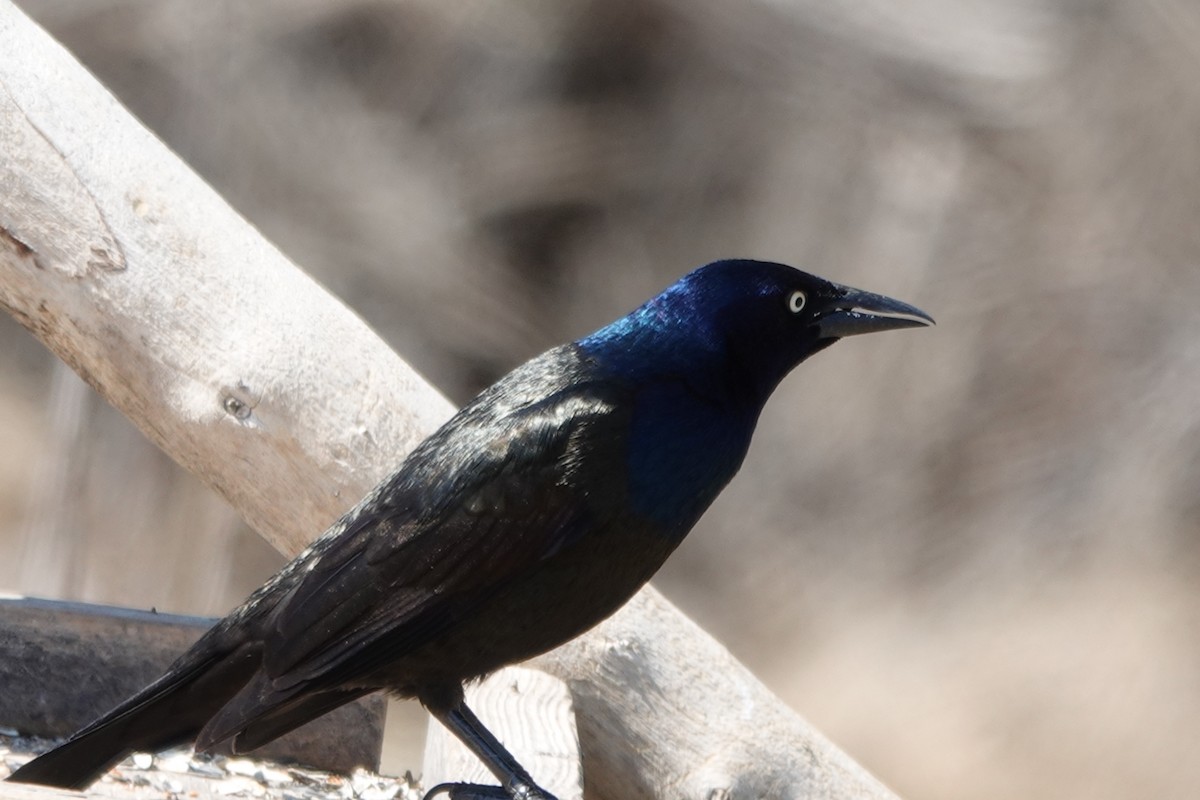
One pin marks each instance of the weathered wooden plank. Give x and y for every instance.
(63, 664)
(532, 714)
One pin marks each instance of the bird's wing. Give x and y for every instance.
(478, 505)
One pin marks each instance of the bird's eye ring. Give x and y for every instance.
(795, 301)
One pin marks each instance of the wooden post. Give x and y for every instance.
(532, 714)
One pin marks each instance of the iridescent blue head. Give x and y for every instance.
(704, 356)
(733, 329)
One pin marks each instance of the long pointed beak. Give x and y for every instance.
(864, 312)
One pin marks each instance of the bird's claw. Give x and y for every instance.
(467, 791)
(480, 791)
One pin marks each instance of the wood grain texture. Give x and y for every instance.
(531, 713)
(133, 271)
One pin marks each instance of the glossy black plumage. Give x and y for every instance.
(531, 515)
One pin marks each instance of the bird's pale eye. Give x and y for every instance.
(795, 301)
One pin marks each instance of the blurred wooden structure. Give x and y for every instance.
(64, 664)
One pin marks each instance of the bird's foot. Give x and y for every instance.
(467, 791)
(480, 791)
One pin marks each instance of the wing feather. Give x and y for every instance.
(452, 532)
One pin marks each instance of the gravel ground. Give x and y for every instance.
(181, 774)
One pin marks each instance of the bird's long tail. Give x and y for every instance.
(168, 712)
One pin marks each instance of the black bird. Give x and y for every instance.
(531, 515)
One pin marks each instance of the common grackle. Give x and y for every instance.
(531, 515)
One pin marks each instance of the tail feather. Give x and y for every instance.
(168, 712)
(79, 762)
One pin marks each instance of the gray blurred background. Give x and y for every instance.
(970, 555)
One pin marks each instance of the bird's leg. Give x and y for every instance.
(451, 710)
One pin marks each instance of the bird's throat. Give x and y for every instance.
(683, 450)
